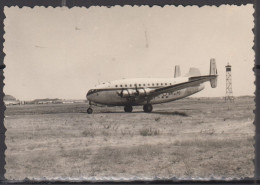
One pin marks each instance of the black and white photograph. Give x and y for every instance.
(127, 93)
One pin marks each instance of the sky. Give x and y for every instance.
(62, 53)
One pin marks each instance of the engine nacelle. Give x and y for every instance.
(144, 91)
(128, 93)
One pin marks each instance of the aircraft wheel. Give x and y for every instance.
(89, 110)
(128, 108)
(148, 108)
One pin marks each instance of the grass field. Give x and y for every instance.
(189, 138)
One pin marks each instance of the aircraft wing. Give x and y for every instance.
(193, 81)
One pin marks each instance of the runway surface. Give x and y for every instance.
(189, 138)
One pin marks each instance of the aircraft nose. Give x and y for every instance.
(89, 94)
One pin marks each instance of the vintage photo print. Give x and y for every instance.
(129, 93)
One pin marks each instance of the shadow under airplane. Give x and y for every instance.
(174, 113)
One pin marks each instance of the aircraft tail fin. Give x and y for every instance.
(193, 72)
(213, 71)
(177, 71)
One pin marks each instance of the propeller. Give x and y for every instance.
(120, 93)
(137, 92)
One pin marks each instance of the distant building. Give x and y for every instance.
(79, 101)
(53, 101)
(73, 101)
(67, 101)
(46, 101)
(10, 100)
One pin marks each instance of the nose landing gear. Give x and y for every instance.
(89, 110)
(128, 108)
(148, 108)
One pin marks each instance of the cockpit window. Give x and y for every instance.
(91, 91)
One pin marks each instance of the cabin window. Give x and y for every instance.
(121, 86)
(125, 85)
(157, 83)
(161, 83)
(165, 83)
(130, 85)
(152, 84)
(144, 84)
(139, 85)
(148, 84)
(170, 83)
(116, 86)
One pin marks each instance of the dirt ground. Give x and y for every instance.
(189, 138)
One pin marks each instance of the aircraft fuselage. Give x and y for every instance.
(110, 93)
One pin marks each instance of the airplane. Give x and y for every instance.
(148, 91)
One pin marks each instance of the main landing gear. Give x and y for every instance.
(148, 108)
(128, 108)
